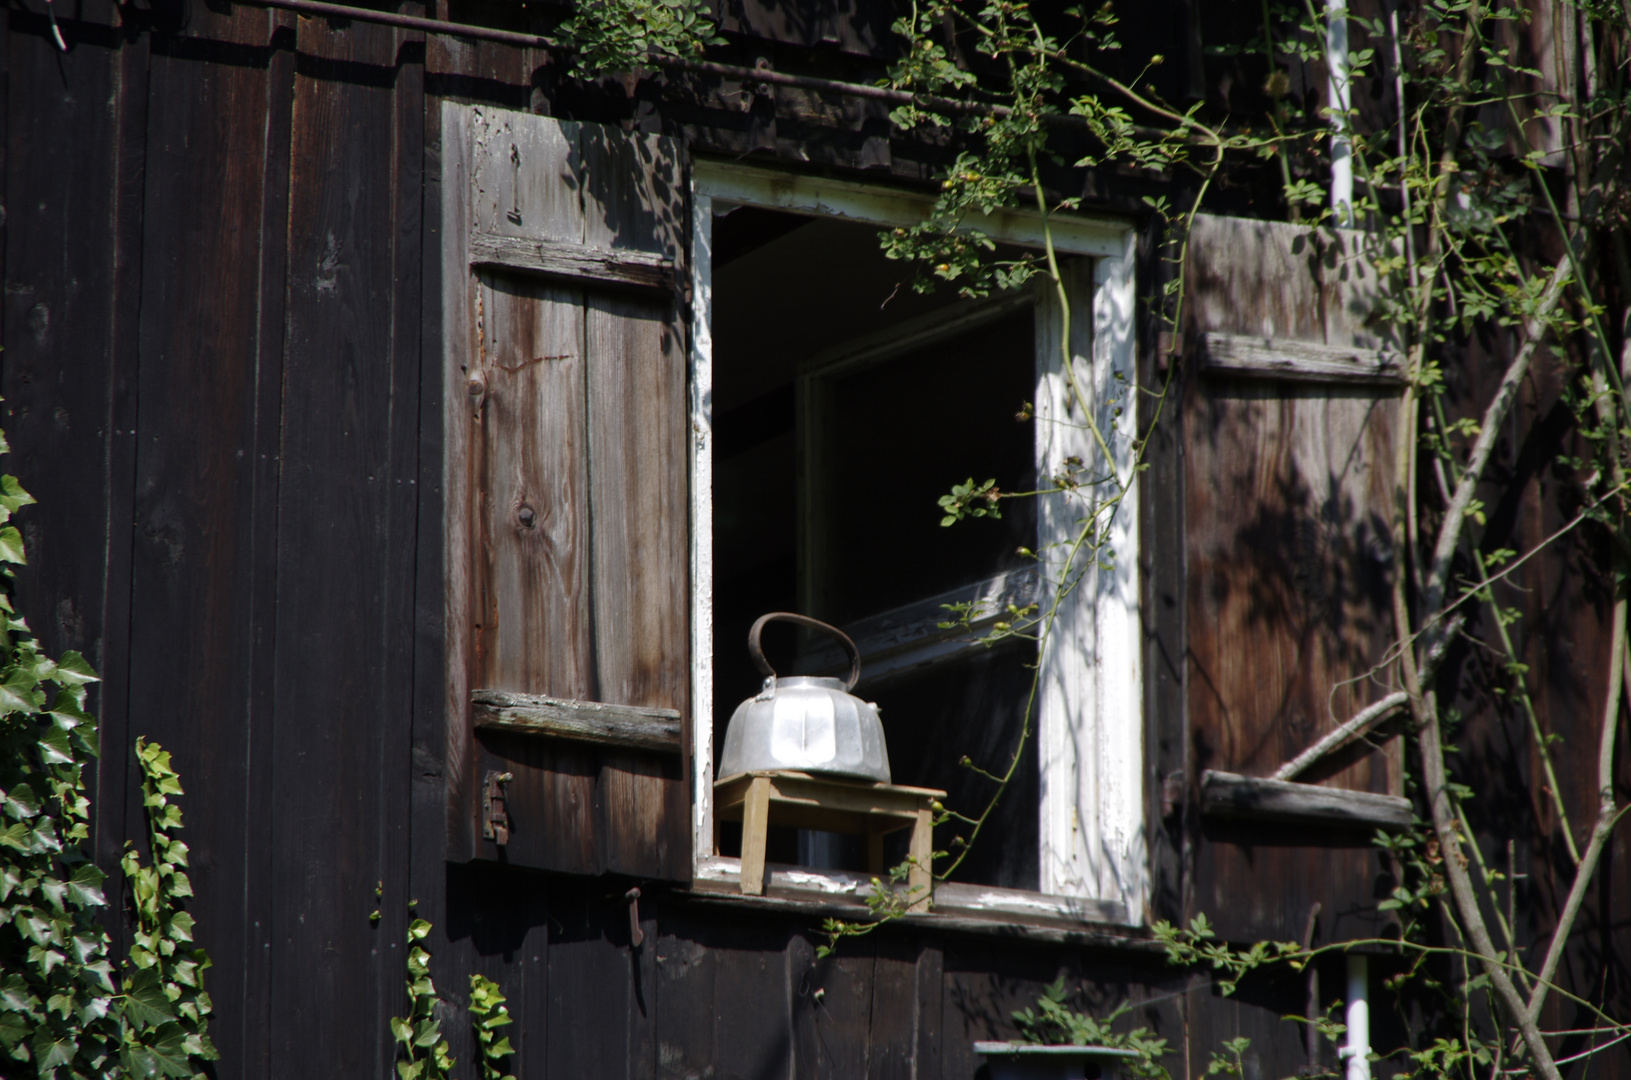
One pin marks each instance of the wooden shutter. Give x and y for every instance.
(568, 651)
(1288, 424)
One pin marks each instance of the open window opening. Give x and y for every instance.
(845, 404)
(834, 405)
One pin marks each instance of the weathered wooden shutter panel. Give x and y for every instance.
(567, 522)
(1289, 428)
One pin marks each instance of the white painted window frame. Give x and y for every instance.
(1090, 722)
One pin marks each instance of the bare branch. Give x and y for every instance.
(1361, 722)
(1449, 537)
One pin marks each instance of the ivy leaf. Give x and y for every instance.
(169, 1051)
(73, 670)
(34, 927)
(12, 701)
(146, 1004)
(12, 495)
(14, 1028)
(139, 1061)
(66, 713)
(20, 802)
(16, 838)
(15, 996)
(86, 886)
(55, 890)
(52, 1050)
(11, 546)
(181, 926)
(54, 748)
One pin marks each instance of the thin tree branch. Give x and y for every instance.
(1607, 815)
(1461, 887)
(1449, 537)
(1359, 723)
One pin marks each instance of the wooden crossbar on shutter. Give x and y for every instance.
(568, 652)
(1289, 418)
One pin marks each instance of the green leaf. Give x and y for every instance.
(54, 748)
(20, 801)
(11, 546)
(52, 1050)
(170, 1051)
(17, 838)
(73, 670)
(86, 888)
(146, 1004)
(15, 995)
(12, 495)
(14, 1028)
(181, 926)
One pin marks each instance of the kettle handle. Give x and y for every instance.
(763, 665)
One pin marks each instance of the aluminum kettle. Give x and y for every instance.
(805, 722)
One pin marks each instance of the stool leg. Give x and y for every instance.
(755, 820)
(919, 880)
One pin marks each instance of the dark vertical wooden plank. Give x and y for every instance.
(832, 1008)
(200, 500)
(931, 977)
(475, 71)
(685, 980)
(531, 1038)
(893, 1036)
(112, 776)
(344, 562)
(760, 970)
(590, 984)
(985, 980)
(1163, 592)
(65, 134)
(261, 791)
(428, 801)
(1256, 1012)
(493, 923)
(408, 359)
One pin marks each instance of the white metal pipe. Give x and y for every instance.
(1339, 99)
(1357, 1049)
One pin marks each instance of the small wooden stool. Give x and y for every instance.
(831, 804)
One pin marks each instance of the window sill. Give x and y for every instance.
(958, 908)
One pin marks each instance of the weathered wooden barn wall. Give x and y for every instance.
(222, 327)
